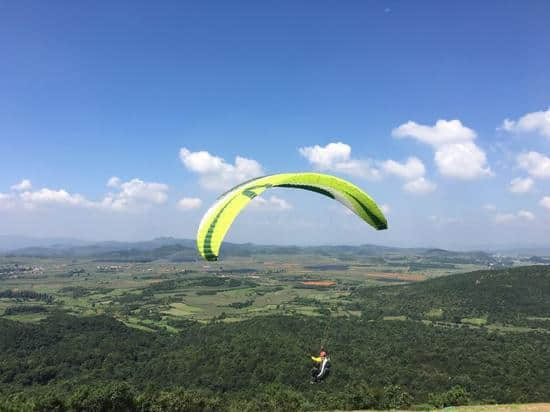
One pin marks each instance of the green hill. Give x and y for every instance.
(516, 297)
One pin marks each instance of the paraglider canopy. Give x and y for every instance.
(218, 219)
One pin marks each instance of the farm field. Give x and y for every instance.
(162, 294)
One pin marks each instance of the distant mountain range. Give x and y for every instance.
(185, 249)
(12, 242)
(159, 248)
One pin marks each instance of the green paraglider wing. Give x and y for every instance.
(218, 219)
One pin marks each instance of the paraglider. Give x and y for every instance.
(322, 367)
(218, 219)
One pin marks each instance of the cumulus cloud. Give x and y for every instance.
(385, 209)
(215, 173)
(545, 202)
(536, 122)
(513, 217)
(189, 203)
(505, 217)
(520, 185)
(325, 157)
(413, 171)
(442, 133)
(443, 220)
(131, 196)
(270, 203)
(462, 160)
(456, 155)
(113, 182)
(420, 186)
(525, 214)
(50, 196)
(536, 164)
(7, 201)
(23, 185)
(135, 194)
(336, 157)
(150, 192)
(413, 168)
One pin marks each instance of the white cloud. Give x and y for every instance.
(536, 164)
(336, 157)
(216, 173)
(511, 217)
(23, 185)
(536, 122)
(505, 217)
(270, 203)
(520, 185)
(462, 160)
(135, 194)
(456, 155)
(203, 162)
(413, 168)
(490, 207)
(326, 157)
(189, 203)
(443, 132)
(6, 201)
(49, 196)
(385, 209)
(420, 186)
(132, 195)
(442, 220)
(545, 202)
(113, 182)
(525, 214)
(413, 171)
(150, 192)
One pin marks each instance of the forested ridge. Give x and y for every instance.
(509, 296)
(98, 363)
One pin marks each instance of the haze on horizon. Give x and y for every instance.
(125, 121)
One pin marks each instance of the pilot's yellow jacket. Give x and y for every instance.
(316, 359)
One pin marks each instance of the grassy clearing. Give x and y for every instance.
(475, 321)
(395, 318)
(28, 317)
(183, 310)
(514, 329)
(136, 325)
(436, 313)
(537, 318)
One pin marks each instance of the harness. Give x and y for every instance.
(323, 367)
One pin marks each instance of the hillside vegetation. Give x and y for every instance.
(413, 345)
(517, 297)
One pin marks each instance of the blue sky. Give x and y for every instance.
(406, 99)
